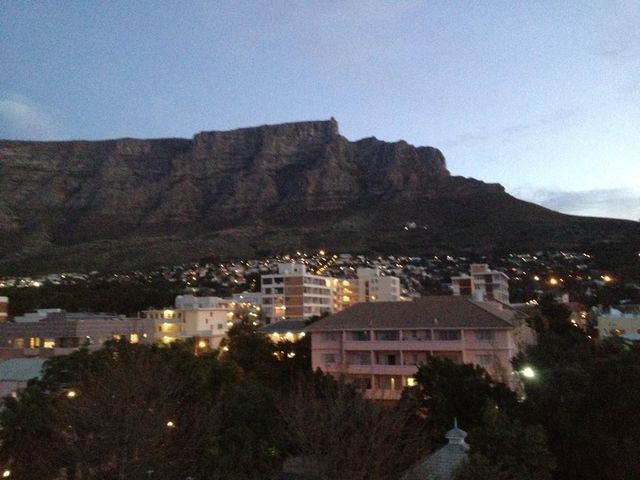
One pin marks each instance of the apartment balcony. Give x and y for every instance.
(414, 345)
(407, 370)
(359, 369)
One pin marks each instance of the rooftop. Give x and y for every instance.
(21, 369)
(427, 312)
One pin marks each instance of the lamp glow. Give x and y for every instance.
(528, 372)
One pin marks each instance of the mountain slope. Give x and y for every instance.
(122, 203)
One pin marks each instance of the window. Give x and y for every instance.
(220, 326)
(18, 342)
(34, 342)
(388, 335)
(389, 383)
(359, 358)
(328, 358)
(360, 336)
(484, 335)
(267, 281)
(133, 338)
(49, 343)
(416, 335)
(447, 335)
(267, 291)
(411, 382)
(387, 359)
(330, 336)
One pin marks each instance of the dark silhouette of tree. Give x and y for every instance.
(339, 435)
(585, 395)
(446, 390)
(505, 449)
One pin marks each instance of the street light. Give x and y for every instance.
(528, 372)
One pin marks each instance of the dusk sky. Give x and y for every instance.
(541, 96)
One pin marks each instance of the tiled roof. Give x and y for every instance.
(426, 312)
(21, 369)
(440, 465)
(283, 326)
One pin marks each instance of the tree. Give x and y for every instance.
(125, 411)
(585, 396)
(341, 436)
(446, 390)
(503, 448)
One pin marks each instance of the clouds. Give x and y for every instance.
(23, 119)
(615, 203)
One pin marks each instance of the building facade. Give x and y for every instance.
(379, 346)
(208, 325)
(374, 287)
(620, 322)
(59, 333)
(294, 293)
(482, 284)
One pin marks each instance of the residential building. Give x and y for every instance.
(285, 330)
(379, 346)
(184, 302)
(482, 284)
(623, 321)
(4, 309)
(59, 333)
(295, 293)
(374, 287)
(208, 324)
(345, 293)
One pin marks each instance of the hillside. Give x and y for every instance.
(127, 203)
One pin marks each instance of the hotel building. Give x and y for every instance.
(379, 346)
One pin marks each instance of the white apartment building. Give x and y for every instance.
(482, 284)
(373, 287)
(207, 319)
(295, 293)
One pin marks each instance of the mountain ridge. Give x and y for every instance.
(132, 202)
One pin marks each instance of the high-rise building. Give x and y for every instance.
(295, 293)
(482, 284)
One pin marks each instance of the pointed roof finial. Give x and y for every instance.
(456, 435)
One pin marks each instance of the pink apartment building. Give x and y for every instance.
(379, 346)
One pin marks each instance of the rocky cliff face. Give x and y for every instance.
(118, 202)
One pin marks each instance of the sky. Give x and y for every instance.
(540, 96)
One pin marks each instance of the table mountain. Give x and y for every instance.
(125, 203)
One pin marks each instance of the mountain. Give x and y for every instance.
(126, 203)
